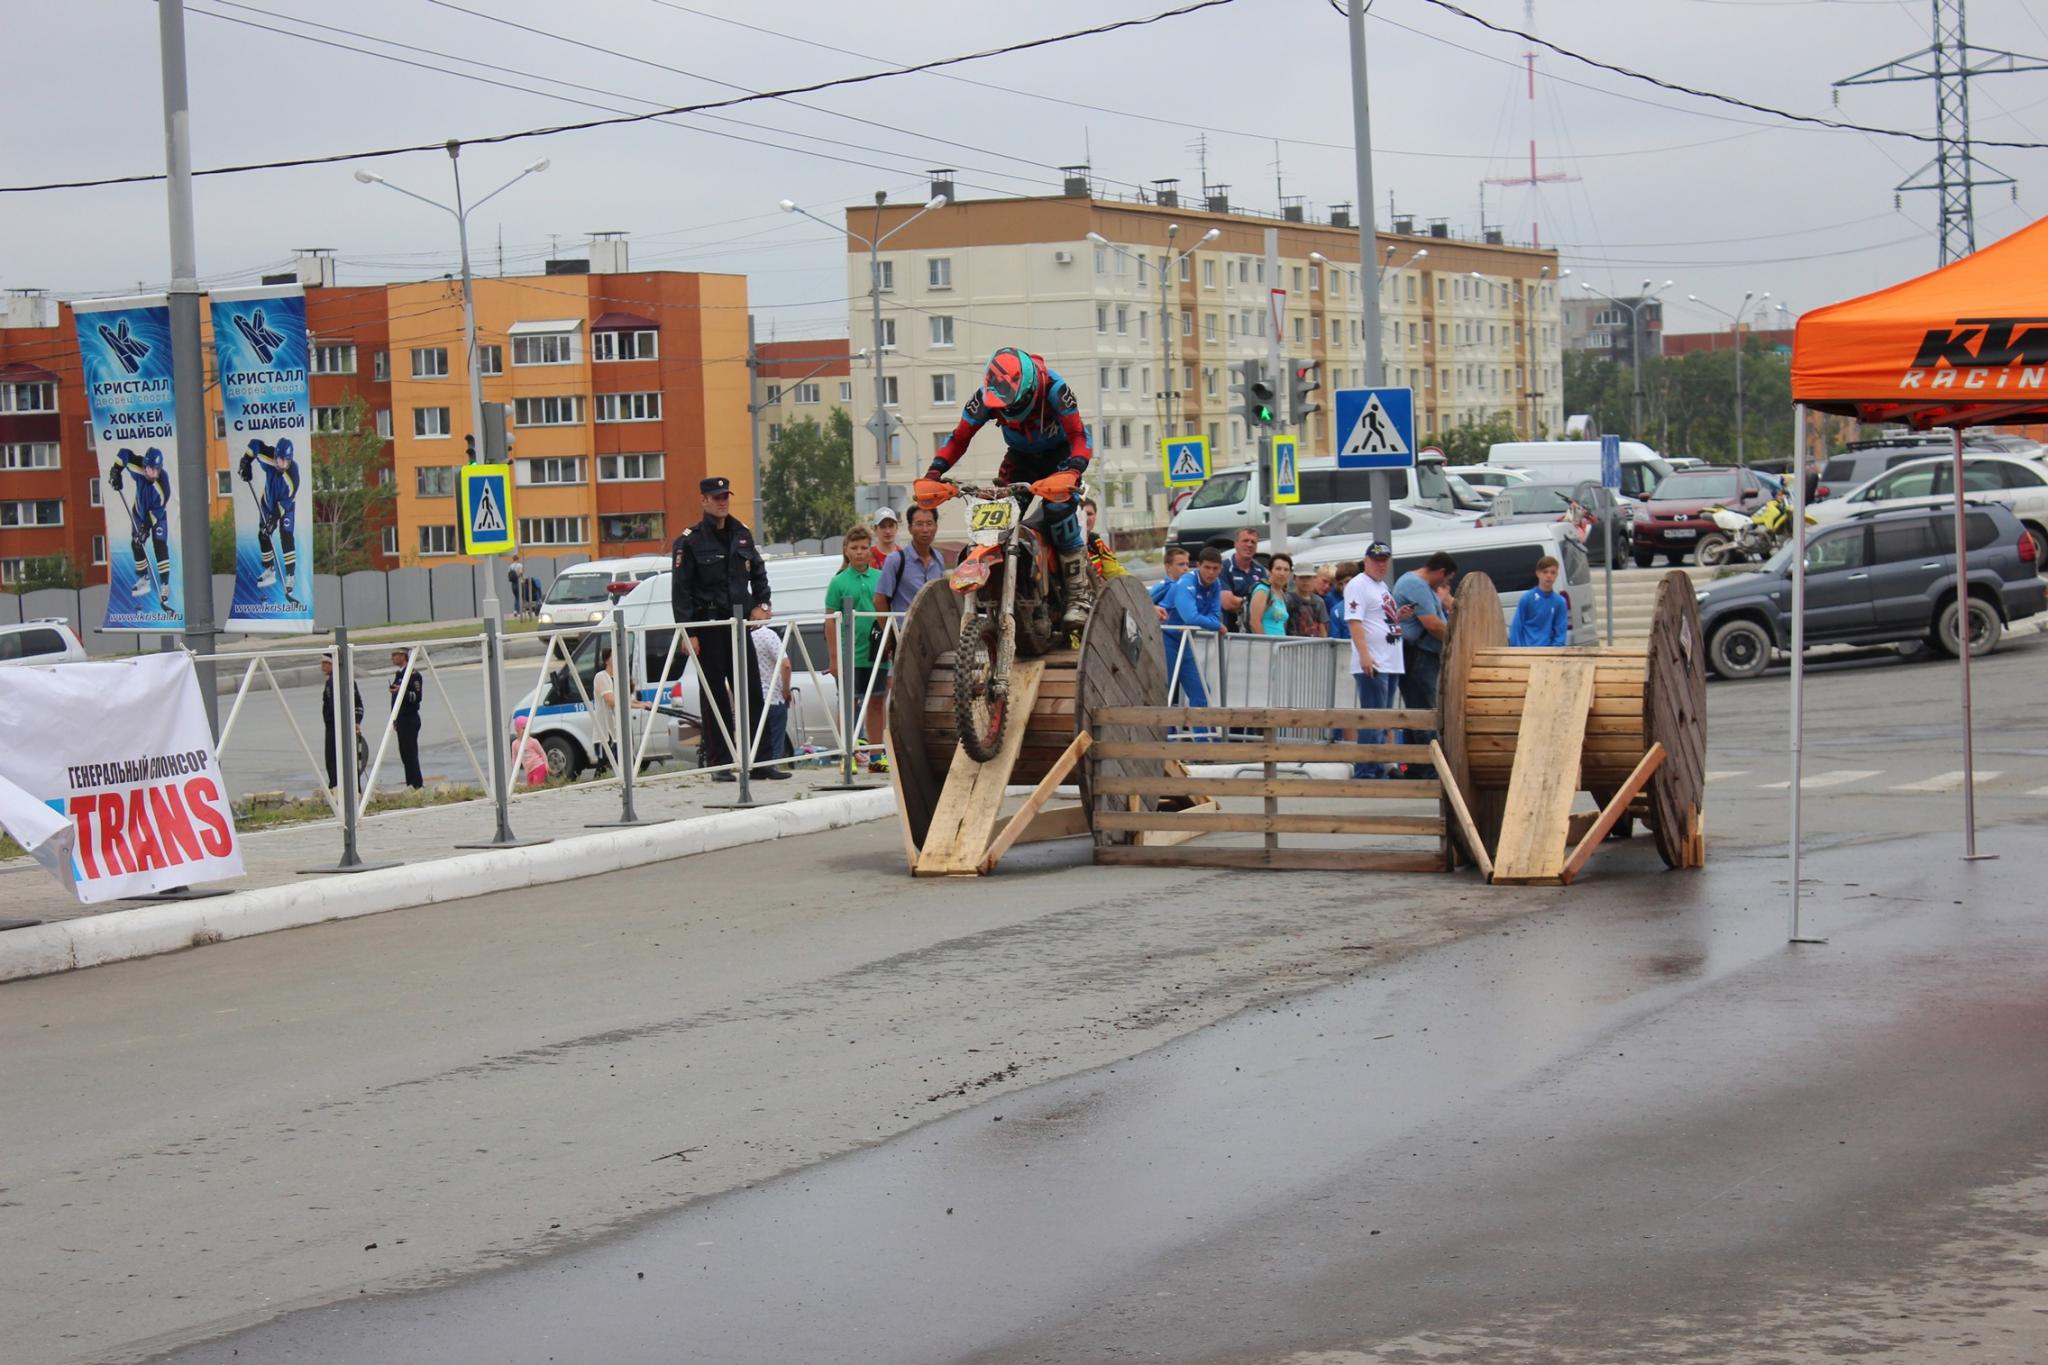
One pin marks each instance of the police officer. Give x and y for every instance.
(718, 569)
(405, 700)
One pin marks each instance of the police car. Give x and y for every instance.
(47, 640)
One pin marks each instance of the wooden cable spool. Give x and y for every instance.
(1642, 695)
(1121, 662)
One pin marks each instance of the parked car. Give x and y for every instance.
(1570, 461)
(45, 640)
(1552, 501)
(1231, 498)
(1353, 522)
(1883, 579)
(1853, 467)
(2019, 484)
(1489, 478)
(1506, 554)
(1674, 519)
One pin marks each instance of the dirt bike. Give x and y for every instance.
(1738, 538)
(1008, 584)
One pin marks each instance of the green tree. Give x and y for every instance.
(807, 484)
(220, 544)
(48, 571)
(1470, 444)
(350, 498)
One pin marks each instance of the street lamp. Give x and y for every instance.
(1168, 264)
(1735, 330)
(883, 422)
(1635, 341)
(1536, 428)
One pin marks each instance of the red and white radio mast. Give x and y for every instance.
(1535, 176)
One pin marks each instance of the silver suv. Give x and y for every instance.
(46, 641)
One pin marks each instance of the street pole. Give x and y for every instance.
(1167, 265)
(1635, 351)
(754, 424)
(1737, 329)
(187, 373)
(1361, 141)
(882, 423)
(1276, 519)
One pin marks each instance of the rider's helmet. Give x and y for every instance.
(1011, 386)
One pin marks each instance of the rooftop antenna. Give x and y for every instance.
(1534, 177)
(1200, 147)
(1279, 191)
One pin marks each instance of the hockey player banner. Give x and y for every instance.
(259, 339)
(125, 348)
(119, 752)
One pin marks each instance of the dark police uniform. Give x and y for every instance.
(407, 723)
(327, 723)
(715, 571)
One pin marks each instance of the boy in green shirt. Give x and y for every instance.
(853, 589)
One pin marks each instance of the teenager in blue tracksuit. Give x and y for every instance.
(149, 518)
(1543, 618)
(275, 506)
(1195, 601)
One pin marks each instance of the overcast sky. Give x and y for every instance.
(1667, 186)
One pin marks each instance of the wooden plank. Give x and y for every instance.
(1625, 704)
(1475, 847)
(1262, 718)
(972, 798)
(1262, 751)
(1217, 822)
(1610, 815)
(1546, 773)
(1040, 794)
(903, 820)
(1277, 860)
(1621, 746)
(1385, 788)
(1597, 723)
(1167, 838)
(1055, 822)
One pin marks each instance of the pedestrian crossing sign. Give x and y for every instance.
(1378, 427)
(487, 509)
(1286, 470)
(1186, 460)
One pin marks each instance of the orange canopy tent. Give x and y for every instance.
(1965, 345)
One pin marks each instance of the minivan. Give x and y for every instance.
(581, 593)
(1506, 554)
(1229, 499)
(1569, 461)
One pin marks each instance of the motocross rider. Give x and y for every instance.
(1047, 446)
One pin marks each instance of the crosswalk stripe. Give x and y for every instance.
(1833, 779)
(2039, 791)
(1944, 782)
(1724, 774)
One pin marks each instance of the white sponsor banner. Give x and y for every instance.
(119, 752)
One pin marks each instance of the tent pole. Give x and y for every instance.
(1798, 477)
(1964, 632)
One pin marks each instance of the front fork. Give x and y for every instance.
(1006, 620)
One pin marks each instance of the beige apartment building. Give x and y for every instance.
(1472, 327)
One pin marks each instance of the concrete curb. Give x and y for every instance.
(123, 934)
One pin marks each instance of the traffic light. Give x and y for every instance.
(1304, 378)
(469, 448)
(1254, 394)
(498, 438)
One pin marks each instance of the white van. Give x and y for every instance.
(1570, 461)
(1230, 499)
(559, 720)
(581, 593)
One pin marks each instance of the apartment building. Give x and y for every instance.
(1609, 328)
(625, 389)
(1472, 326)
(799, 379)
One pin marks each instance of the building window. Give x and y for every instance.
(1102, 380)
(223, 484)
(1315, 329)
(1102, 260)
(1124, 429)
(1184, 267)
(429, 423)
(774, 434)
(1142, 325)
(92, 492)
(774, 395)
(938, 272)
(32, 397)
(885, 275)
(1123, 318)
(636, 345)
(624, 526)
(1102, 319)
(1315, 278)
(889, 391)
(1209, 326)
(1300, 329)
(1230, 325)
(563, 411)
(1187, 378)
(220, 426)
(439, 540)
(1123, 378)
(31, 455)
(550, 470)
(629, 407)
(846, 390)
(1187, 323)
(99, 549)
(380, 367)
(388, 541)
(334, 358)
(551, 531)
(430, 362)
(35, 512)
(942, 388)
(628, 468)
(490, 360)
(1209, 381)
(805, 393)
(434, 480)
(384, 423)
(1208, 274)
(885, 334)
(332, 421)
(942, 331)
(544, 348)
(1145, 380)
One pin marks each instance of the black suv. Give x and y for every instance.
(1883, 579)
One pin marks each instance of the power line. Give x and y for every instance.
(491, 139)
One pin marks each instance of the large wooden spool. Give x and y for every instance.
(1121, 662)
(1642, 695)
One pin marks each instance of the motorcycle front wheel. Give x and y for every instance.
(979, 711)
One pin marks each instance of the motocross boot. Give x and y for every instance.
(1077, 587)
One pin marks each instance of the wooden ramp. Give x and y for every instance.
(962, 834)
(1536, 822)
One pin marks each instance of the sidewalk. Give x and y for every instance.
(276, 892)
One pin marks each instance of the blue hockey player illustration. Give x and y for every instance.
(149, 519)
(275, 505)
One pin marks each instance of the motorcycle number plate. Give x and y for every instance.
(992, 516)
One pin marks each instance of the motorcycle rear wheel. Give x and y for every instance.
(1712, 551)
(979, 713)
